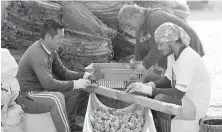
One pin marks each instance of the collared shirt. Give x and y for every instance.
(50, 59)
(47, 51)
(34, 73)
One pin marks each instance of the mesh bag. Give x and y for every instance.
(79, 18)
(107, 11)
(23, 20)
(86, 40)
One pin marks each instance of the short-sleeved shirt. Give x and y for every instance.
(189, 74)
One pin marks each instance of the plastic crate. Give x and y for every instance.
(117, 75)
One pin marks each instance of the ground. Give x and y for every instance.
(208, 25)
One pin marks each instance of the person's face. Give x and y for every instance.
(165, 48)
(56, 40)
(131, 23)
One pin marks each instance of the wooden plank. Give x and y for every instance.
(137, 99)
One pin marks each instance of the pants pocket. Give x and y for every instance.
(27, 103)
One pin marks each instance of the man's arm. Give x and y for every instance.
(46, 79)
(163, 82)
(62, 72)
(183, 78)
(152, 57)
(163, 86)
(139, 51)
(148, 58)
(169, 91)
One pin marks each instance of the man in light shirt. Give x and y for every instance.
(186, 81)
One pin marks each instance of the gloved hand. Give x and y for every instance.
(87, 75)
(139, 87)
(81, 83)
(152, 84)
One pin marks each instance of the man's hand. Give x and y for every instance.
(140, 66)
(81, 83)
(87, 75)
(139, 87)
(151, 84)
(133, 64)
(96, 75)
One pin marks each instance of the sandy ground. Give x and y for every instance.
(208, 25)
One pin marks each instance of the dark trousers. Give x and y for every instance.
(163, 118)
(63, 107)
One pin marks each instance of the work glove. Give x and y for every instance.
(87, 75)
(81, 83)
(139, 87)
(151, 84)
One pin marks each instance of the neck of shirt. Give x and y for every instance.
(46, 50)
(180, 51)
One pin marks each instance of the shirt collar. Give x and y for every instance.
(180, 51)
(47, 51)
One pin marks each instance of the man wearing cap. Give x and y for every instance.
(145, 21)
(186, 81)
